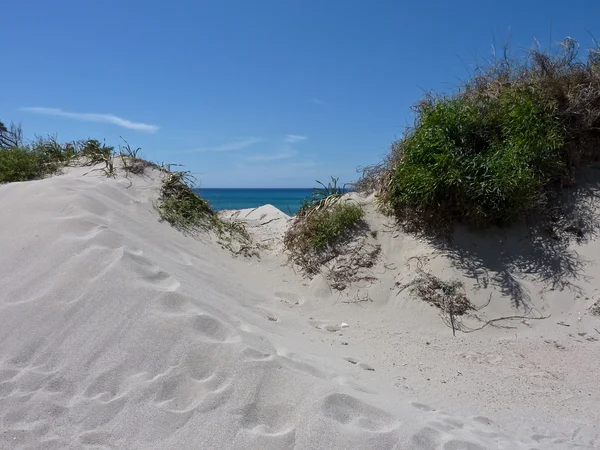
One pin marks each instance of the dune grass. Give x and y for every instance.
(322, 227)
(177, 204)
(500, 147)
(189, 213)
(325, 227)
(37, 160)
(322, 218)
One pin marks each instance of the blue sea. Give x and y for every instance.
(287, 200)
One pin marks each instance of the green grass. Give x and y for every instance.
(94, 152)
(320, 231)
(46, 156)
(485, 162)
(326, 227)
(179, 205)
(24, 163)
(21, 164)
(499, 148)
(189, 213)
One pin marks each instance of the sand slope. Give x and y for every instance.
(117, 331)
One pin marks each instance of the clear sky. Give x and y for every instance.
(254, 93)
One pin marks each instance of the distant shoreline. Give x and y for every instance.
(288, 200)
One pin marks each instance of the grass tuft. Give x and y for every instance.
(323, 229)
(186, 211)
(179, 205)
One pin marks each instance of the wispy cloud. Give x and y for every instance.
(316, 101)
(94, 117)
(285, 154)
(237, 144)
(286, 150)
(294, 138)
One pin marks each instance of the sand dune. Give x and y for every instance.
(119, 332)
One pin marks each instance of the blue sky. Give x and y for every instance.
(262, 93)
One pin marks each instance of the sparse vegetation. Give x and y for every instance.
(501, 147)
(186, 211)
(328, 228)
(177, 204)
(448, 296)
(316, 236)
(131, 161)
(94, 152)
(321, 197)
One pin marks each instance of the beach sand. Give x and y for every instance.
(119, 332)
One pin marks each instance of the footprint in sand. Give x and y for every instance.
(349, 410)
(149, 272)
(211, 329)
(178, 392)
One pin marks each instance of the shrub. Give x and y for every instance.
(498, 148)
(20, 164)
(484, 161)
(24, 163)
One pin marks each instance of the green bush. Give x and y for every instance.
(21, 164)
(42, 158)
(499, 148)
(485, 161)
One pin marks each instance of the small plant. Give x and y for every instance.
(321, 197)
(179, 205)
(131, 161)
(93, 152)
(186, 211)
(316, 236)
(595, 308)
(127, 151)
(110, 170)
(448, 296)
(323, 230)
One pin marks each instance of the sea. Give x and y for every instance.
(287, 200)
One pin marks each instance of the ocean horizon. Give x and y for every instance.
(287, 200)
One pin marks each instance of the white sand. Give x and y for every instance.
(117, 331)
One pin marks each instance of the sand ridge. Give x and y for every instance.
(119, 332)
